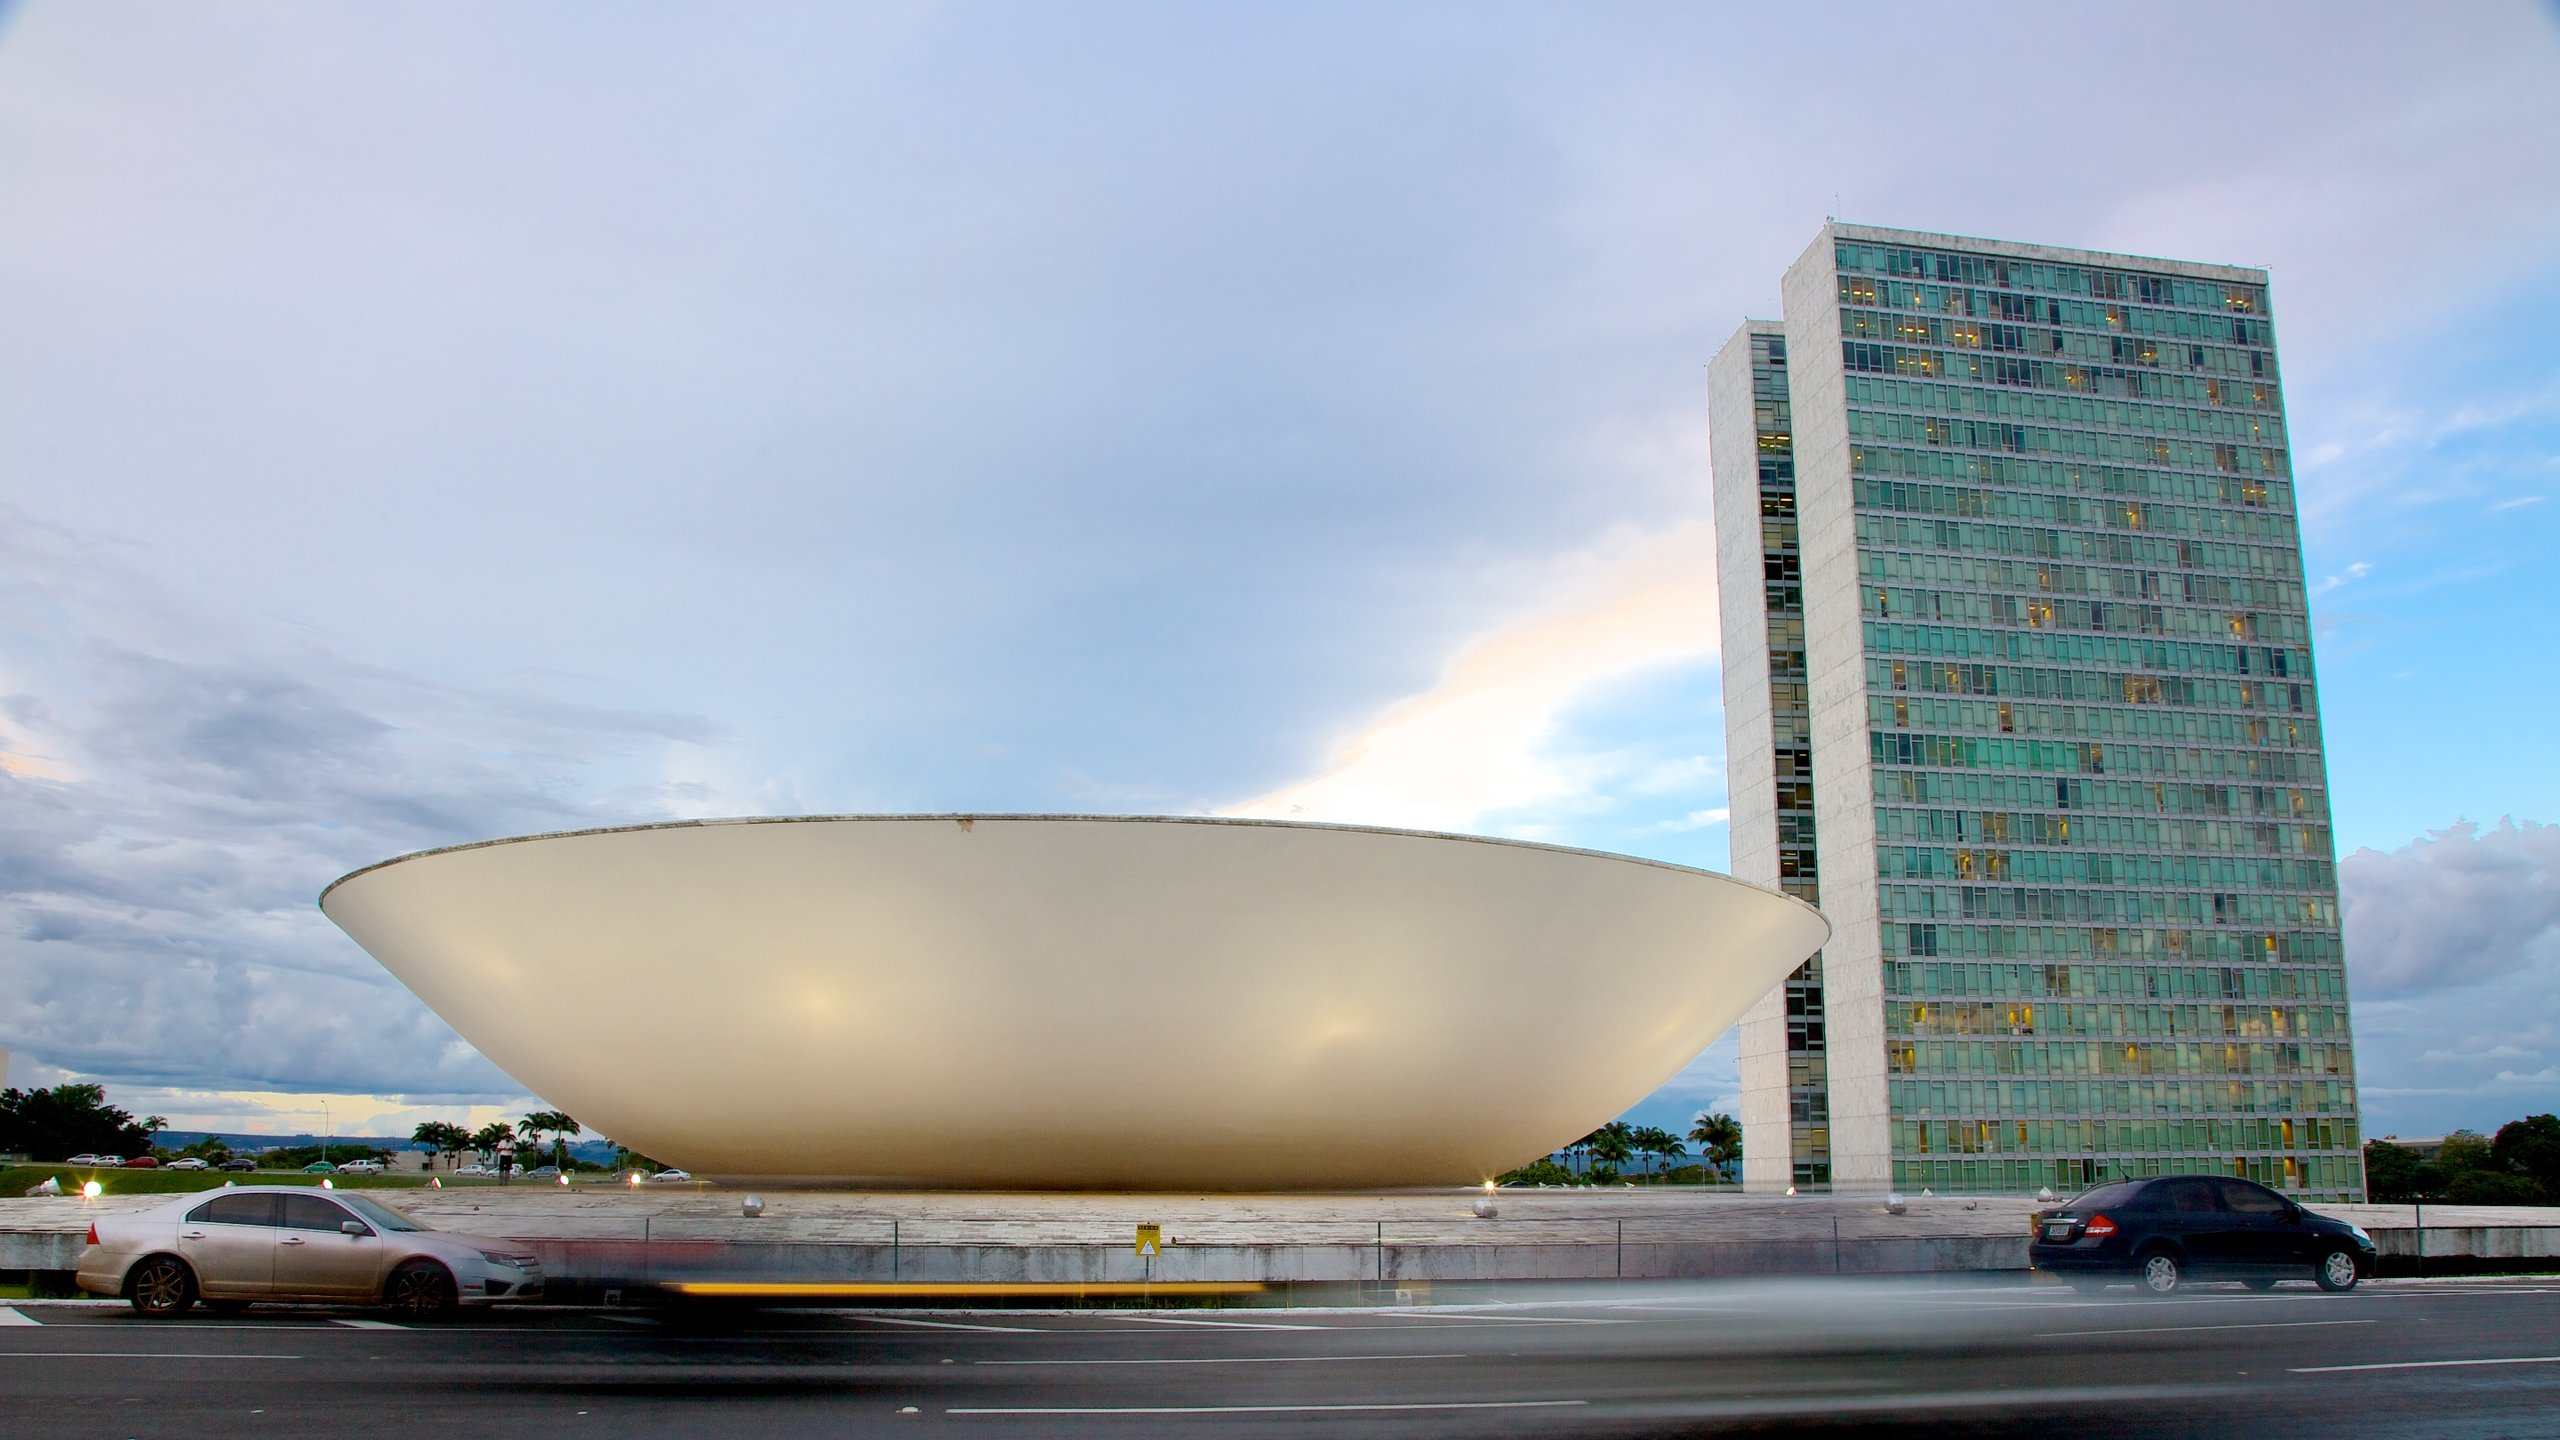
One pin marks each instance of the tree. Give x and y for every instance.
(2530, 1147)
(1662, 1145)
(550, 1122)
(1719, 1138)
(1612, 1145)
(487, 1137)
(2463, 1150)
(2392, 1174)
(70, 1120)
(2491, 1187)
(442, 1137)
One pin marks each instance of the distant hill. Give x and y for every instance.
(594, 1152)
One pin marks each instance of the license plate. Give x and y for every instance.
(2058, 1232)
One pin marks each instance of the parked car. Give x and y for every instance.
(238, 1166)
(542, 1172)
(103, 1161)
(319, 1167)
(187, 1162)
(361, 1167)
(143, 1162)
(479, 1171)
(670, 1177)
(241, 1246)
(2164, 1232)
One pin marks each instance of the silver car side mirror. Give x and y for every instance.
(355, 1227)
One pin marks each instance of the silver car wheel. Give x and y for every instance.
(161, 1288)
(2338, 1271)
(2160, 1274)
(421, 1290)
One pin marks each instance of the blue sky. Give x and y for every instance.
(421, 426)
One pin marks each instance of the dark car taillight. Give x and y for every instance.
(2099, 1227)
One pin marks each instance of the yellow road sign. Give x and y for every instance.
(1150, 1240)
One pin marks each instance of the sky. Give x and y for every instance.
(426, 424)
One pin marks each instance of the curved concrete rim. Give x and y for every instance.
(1009, 815)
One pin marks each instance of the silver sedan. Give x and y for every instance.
(231, 1248)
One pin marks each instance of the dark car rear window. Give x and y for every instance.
(2107, 1197)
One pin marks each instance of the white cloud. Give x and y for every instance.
(2457, 908)
(1478, 741)
(160, 881)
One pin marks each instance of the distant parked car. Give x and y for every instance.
(238, 1166)
(476, 1171)
(295, 1244)
(542, 1172)
(101, 1160)
(319, 1167)
(188, 1162)
(361, 1167)
(143, 1162)
(670, 1177)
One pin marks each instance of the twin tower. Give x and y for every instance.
(2018, 688)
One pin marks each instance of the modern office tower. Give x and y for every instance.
(1769, 760)
(2029, 516)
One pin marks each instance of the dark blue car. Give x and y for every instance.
(2161, 1233)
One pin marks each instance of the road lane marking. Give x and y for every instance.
(1236, 1360)
(944, 1325)
(134, 1356)
(2182, 1329)
(368, 1324)
(1257, 1409)
(12, 1317)
(2427, 1364)
(1220, 1324)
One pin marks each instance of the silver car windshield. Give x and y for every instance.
(382, 1216)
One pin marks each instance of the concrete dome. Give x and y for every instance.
(1074, 1001)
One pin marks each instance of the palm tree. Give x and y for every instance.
(1661, 1144)
(555, 1123)
(486, 1138)
(1613, 1144)
(1577, 1153)
(1719, 1138)
(442, 1137)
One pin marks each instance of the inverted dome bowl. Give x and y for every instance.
(1067, 1001)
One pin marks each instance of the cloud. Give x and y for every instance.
(2459, 907)
(1478, 742)
(205, 779)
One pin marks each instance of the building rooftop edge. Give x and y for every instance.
(2062, 254)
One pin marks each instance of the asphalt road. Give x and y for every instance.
(1835, 1358)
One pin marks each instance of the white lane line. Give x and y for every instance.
(944, 1325)
(1237, 1360)
(12, 1317)
(2427, 1364)
(368, 1324)
(1221, 1324)
(2182, 1329)
(134, 1356)
(1256, 1409)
